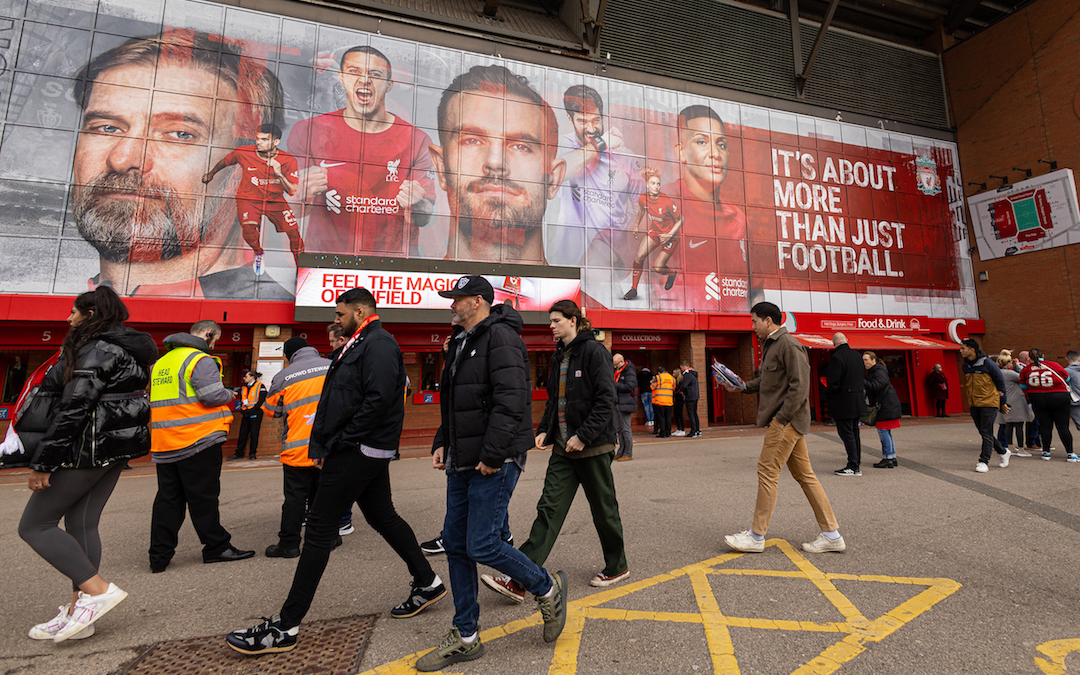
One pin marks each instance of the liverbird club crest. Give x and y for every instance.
(926, 176)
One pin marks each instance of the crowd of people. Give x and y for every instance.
(343, 416)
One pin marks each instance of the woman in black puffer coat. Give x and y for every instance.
(78, 445)
(880, 392)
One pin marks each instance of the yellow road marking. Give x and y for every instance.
(856, 630)
(1057, 650)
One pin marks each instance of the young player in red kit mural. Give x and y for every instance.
(665, 222)
(713, 261)
(268, 175)
(366, 174)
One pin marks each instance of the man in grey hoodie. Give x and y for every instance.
(190, 415)
(1073, 357)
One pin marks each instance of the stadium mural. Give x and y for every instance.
(182, 149)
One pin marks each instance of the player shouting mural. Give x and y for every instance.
(366, 170)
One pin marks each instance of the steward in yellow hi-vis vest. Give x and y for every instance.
(190, 413)
(294, 395)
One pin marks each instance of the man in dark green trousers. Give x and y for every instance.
(579, 427)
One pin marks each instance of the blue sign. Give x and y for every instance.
(4, 413)
(429, 398)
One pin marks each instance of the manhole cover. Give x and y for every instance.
(325, 647)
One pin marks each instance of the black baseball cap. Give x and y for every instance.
(471, 284)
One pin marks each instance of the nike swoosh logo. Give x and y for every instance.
(326, 165)
(695, 244)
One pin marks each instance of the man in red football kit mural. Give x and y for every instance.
(366, 170)
(267, 175)
(665, 221)
(497, 162)
(713, 257)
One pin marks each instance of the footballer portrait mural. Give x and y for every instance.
(182, 149)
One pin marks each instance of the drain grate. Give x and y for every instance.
(332, 647)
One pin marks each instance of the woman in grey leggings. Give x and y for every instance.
(87, 419)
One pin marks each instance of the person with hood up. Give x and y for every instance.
(579, 427)
(485, 434)
(190, 414)
(96, 421)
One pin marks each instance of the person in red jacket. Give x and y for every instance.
(1047, 388)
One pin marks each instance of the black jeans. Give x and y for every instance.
(1052, 410)
(249, 427)
(1032, 432)
(1008, 430)
(848, 430)
(940, 403)
(692, 417)
(662, 415)
(677, 414)
(346, 477)
(194, 483)
(984, 421)
(301, 484)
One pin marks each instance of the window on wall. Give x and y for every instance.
(15, 374)
(430, 366)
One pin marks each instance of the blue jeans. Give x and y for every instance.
(472, 533)
(888, 448)
(646, 404)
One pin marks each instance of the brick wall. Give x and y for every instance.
(1014, 93)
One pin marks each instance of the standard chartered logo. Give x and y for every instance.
(333, 201)
(712, 287)
(717, 288)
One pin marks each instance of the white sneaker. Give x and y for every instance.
(1020, 452)
(88, 609)
(648, 424)
(49, 629)
(823, 545)
(678, 432)
(258, 264)
(981, 467)
(745, 542)
(1004, 459)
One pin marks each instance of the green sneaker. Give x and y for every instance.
(451, 650)
(553, 608)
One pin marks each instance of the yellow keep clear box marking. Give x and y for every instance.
(856, 630)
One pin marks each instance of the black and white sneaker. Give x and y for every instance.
(433, 547)
(848, 471)
(264, 638)
(420, 599)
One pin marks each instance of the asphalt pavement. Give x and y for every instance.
(947, 570)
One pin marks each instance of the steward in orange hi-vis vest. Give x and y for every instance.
(294, 395)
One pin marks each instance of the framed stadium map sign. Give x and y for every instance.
(1031, 215)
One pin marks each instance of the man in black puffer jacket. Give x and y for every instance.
(579, 427)
(486, 431)
(355, 434)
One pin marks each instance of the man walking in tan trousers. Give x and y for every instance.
(783, 384)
